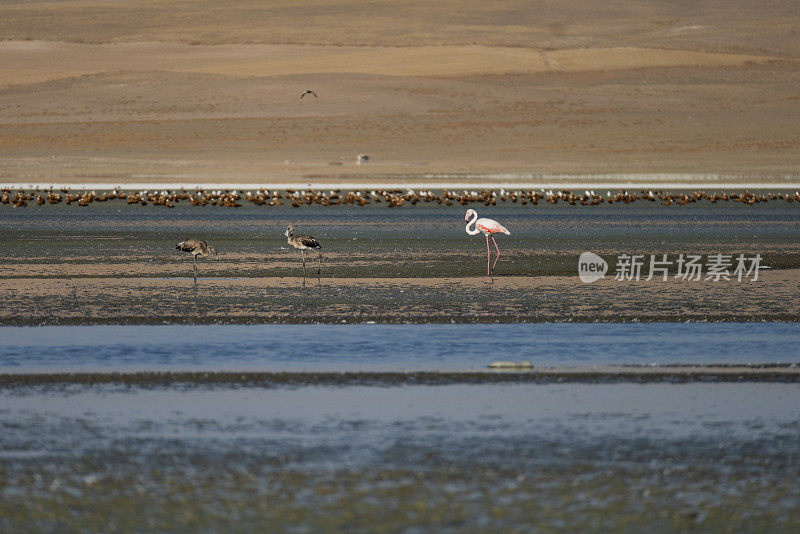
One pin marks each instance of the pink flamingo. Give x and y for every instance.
(488, 227)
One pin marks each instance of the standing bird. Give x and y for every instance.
(196, 247)
(308, 92)
(488, 227)
(304, 242)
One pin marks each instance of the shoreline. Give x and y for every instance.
(355, 185)
(673, 373)
(281, 320)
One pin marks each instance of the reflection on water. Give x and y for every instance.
(388, 347)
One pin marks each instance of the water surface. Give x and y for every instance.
(576, 457)
(366, 347)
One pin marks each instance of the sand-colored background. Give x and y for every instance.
(131, 91)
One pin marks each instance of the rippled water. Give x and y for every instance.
(389, 347)
(663, 457)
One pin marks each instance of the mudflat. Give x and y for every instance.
(117, 264)
(517, 456)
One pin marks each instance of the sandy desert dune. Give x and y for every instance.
(198, 92)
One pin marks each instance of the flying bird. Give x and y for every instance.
(488, 227)
(304, 242)
(196, 247)
(308, 92)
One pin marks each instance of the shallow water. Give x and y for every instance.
(117, 264)
(419, 240)
(694, 457)
(572, 414)
(196, 455)
(388, 347)
(200, 456)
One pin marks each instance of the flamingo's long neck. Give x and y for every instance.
(472, 222)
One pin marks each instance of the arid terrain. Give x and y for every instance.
(193, 92)
(400, 388)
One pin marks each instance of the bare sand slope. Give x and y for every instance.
(193, 92)
(712, 25)
(38, 61)
(159, 126)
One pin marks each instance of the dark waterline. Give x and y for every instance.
(425, 347)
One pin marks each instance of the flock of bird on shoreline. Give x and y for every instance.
(390, 197)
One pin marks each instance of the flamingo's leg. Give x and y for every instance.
(304, 261)
(498, 253)
(194, 258)
(488, 256)
(319, 264)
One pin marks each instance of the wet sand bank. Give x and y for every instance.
(104, 300)
(609, 374)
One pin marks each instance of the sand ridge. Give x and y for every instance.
(729, 26)
(40, 61)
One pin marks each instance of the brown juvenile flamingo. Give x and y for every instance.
(304, 242)
(196, 247)
(488, 227)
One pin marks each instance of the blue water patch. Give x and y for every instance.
(388, 347)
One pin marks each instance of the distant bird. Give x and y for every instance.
(304, 242)
(308, 92)
(488, 227)
(197, 248)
